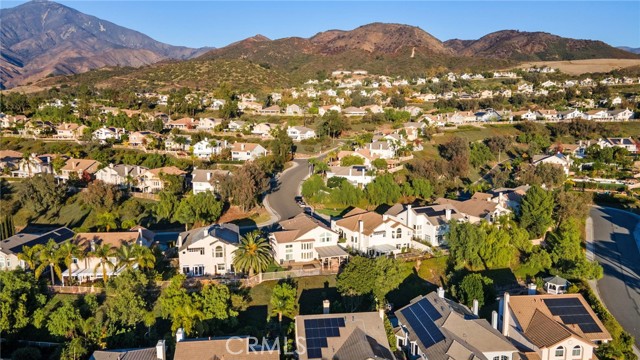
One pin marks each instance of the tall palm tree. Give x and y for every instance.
(125, 258)
(49, 257)
(68, 251)
(107, 220)
(144, 256)
(252, 254)
(30, 255)
(283, 301)
(104, 253)
(186, 317)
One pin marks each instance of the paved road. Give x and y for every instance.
(281, 201)
(617, 251)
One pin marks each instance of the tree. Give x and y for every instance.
(480, 154)
(107, 221)
(68, 251)
(312, 186)
(351, 160)
(253, 254)
(64, 319)
(128, 299)
(346, 194)
(283, 301)
(398, 101)
(255, 182)
(536, 211)
(281, 146)
(49, 256)
(474, 287)
(201, 208)
(20, 296)
(104, 253)
(388, 277)
(364, 276)
(422, 188)
(380, 164)
(165, 208)
(29, 255)
(383, 190)
(457, 152)
(41, 193)
(570, 204)
(332, 124)
(465, 241)
(102, 196)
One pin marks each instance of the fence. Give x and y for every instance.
(280, 275)
(75, 289)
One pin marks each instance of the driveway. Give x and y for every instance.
(616, 250)
(281, 200)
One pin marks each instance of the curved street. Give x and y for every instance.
(616, 249)
(281, 199)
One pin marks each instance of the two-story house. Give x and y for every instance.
(303, 239)
(106, 133)
(558, 159)
(78, 168)
(371, 233)
(11, 247)
(299, 133)
(430, 224)
(151, 180)
(247, 151)
(208, 250)
(121, 175)
(206, 148)
(33, 165)
(480, 207)
(203, 180)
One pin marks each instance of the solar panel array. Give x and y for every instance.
(421, 317)
(572, 312)
(316, 331)
(58, 235)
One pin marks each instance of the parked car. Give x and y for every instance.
(300, 201)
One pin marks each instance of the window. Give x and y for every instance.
(1, 262)
(398, 233)
(219, 252)
(354, 239)
(198, 250)
(74, 260)
(307, 246)
(198, 270)
(504, 357)
(325, 237)
(577, 351)
(559, 351)
(496, 358)
(307, 256)
(220, 267)
(186, 270)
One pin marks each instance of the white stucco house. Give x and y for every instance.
(202, 180)
(430, 224)
(247, 151)
(208, 250)
(206, 148)
(299, 133)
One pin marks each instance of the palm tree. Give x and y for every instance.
(49, 256)
(68, 251)
(144, 256)
(104, 253)
(252, 254)
(29, 255)
(107, 221)
(125, 258)
(283, 301)
(29, 162)
(186, 317)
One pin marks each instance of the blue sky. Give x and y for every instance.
(219, 23)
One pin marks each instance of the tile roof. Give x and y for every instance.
(125, 354)
(473, 207)
(114, 239)
(168, 170)
(296, 227)
(371, 220)
(228, 348)
(247, 146)
(228, 233)
(200, 175)
(88, 165)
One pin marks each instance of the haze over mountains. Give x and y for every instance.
(41, 38)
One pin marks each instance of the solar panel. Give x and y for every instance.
(317, 331)
(421, 318)
(572, 312)
(562, 302)
(590, 328)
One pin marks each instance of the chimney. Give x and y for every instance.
(385, 217)
(326, 307)
(208, 175)
(409, 211)
(161, 350)
(242, 146)
(447, 214)
(441, 292)
(360, 226)
(494, 319)
(505, 315)
(93, 245)
(179, 335)
(475, 307)
(381, 313)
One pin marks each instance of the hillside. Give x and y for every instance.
(534, 46)
(40, 38)
(630, 49)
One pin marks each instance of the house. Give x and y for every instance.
(488, 115)
(224, 348)
(374, 109)
(293, 110)
(597, 114)
(202, 179)
(461, 117)
(299, 133)
(511, 197)
(205, 149)
(525, 115)
(237, 125)
(175, 142)
(247, 151)
(414, 130)
(627, 143)
(479, 207)
(208, 124)
(106, 133)
(69, 131)
(573, 150)
(263, 129)
(354, 111)
(364, 154)
(433, 327)
(325, 109)
(430, 224)
(549, 83)
(382, 149)
(548, 114)
(208, 250)
(558, 159)
(616, 101)
(271, 110)
(151, 180)
(570, 114)
(10, 159)
(90, 267)
(11, 121)
(142, 138)
(357, 175)
(371, 233)
(121, 175)
(35, 164)
(304, 239)
(356, 336)
(539, 324)
(555, 285)
(182, 124)
(12, 246)
(78, 168)
(153, 353)
(621, 114)
(249, 105)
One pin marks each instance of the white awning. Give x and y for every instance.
(331, 251)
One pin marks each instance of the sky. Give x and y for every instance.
(219, 23)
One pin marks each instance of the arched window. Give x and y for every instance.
(398, 233)
(560, 351)
(577, 351)
(219, 252)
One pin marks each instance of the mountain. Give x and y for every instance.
(534, 46)
(40, 38)
(630, 49)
